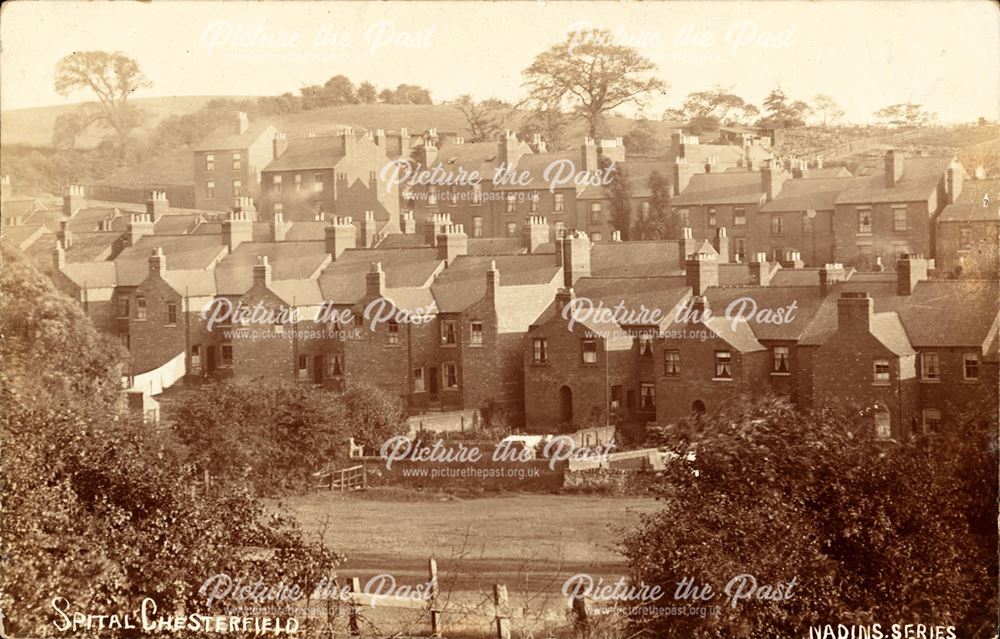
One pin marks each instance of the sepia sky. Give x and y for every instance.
(943, 54)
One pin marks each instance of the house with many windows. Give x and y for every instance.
(228, 163)
(968, 231)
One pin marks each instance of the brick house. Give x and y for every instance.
(968, 231)
(227, 164)
(315, 177)
(892, 213)
(596, 204)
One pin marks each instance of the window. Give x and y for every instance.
(739, 216)
(560, 229)
(196, 356)
(279, 328)
(432, 198)
(477, 194)
(723, 365)
(970, 366)
(125, 340)
(558, 202)
(645, 208)
(780, 360)
(477, 226)
(318, 184)
(930, 367)
(123, 310)
(276, 185)
(539, 350)
(341, 176)
(534, 202)
(359, 320)
(210, 189)
(595, 212)
(931, 420)
(236, 161)
(645, 345)
(808, 227)
(140, 308)
(278, 207)
(303, 367)
(597, 236)
(883, 423)
(453, 196)
(899, 218)
(393, 327)
(237, 188)
(298, 182)
(418, 380)
(227, 354)
(450, 373)
(881, 370)
(511, 229)
(476, 333)
(864, 219)
(171, 312)
(965, 238)
(777, 225)
(671, 363)
(512, 202)
(647, 397)
(684, 217)
(589, 351)
(448, 332)
(741, 249)
(209, 162)
(335, 366)
(712, 218)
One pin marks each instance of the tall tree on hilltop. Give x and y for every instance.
(712, 107)
(486, 118)
(367, 93)
(112, 78)
(828, 107)
(591, 75)
(781, 112)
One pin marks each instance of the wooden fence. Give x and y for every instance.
(344, 479)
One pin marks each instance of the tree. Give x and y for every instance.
(783, 112)
(113, 78)
(906, 114)
(387, 96)
(641, 139)
(412, 94)
(550, 122)
(486, 119)
(869, 531)
(95, 509)
(372, 415)
(590, 75)
(620, 194)
(367, 93)
(713, 107)
(312, 97)
(660, 224)
(828, 107)
(339, 90)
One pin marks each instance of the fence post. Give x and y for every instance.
(432, 569)
(352, 622)
(343, 476)
(331, 479)
(502, 613)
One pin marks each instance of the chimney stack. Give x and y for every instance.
(492, 280)
(767, 179)
(375, 281)
(64, 235)
(237, 228)
(73, 200)
(681, 176)
(157, 205)
(340, 236)
(436, 222)
(829, 275)
(262, 271)
(721, 244)
(278, 227)
(407, 223)
(367, 229)
(910, 270)
(687, 245)
(278, 145)
(58, 257)
(140, 225)
(575, 257)
(534, 233)
(954, 184)
(760, 270)
(793, 259)
(588, 156)
(348, 141)
(893, 168)
(380, 138)
(157, 262)
(242, 122)
(701, 272)
(854, 312)
(452, 242)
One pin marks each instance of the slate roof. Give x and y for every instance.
(225, 138)
(288, 260)
(634, 293)
(482, 157)
(807, 301)
(343, 281)
(920, 177)
(297, 231)
(22, 236)
(463, 283)
(648, 258)
(177, 224)
(969, 205)
(637, 174)
(536, 165)
(827, 172)
(92, 274)
(888, 330)
(807, 276)
(182, 252)
(320, 152)
(497, 246)
(801, 194)
(721, 188)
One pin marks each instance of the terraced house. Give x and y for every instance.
(228, 163)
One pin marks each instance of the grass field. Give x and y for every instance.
(530, 542)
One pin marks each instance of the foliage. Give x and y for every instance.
(620, 194)
(486, 118)
(828, 107)
(591, 75)
(906, 114)
(113, 78)
(92, 511)
(782, 112)
(367, 93)
(372, 415)
(661, 223)
(641, 139)
(871, 532)
(718, 105)
(548, 121)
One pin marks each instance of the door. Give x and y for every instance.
(432, 383)
(565, 405)
(210, 360)
(318, 369)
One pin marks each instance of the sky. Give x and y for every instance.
(944, 54)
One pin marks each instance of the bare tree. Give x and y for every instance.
(113, 78)
(592, 75)
(828, 107)
(486, 118)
